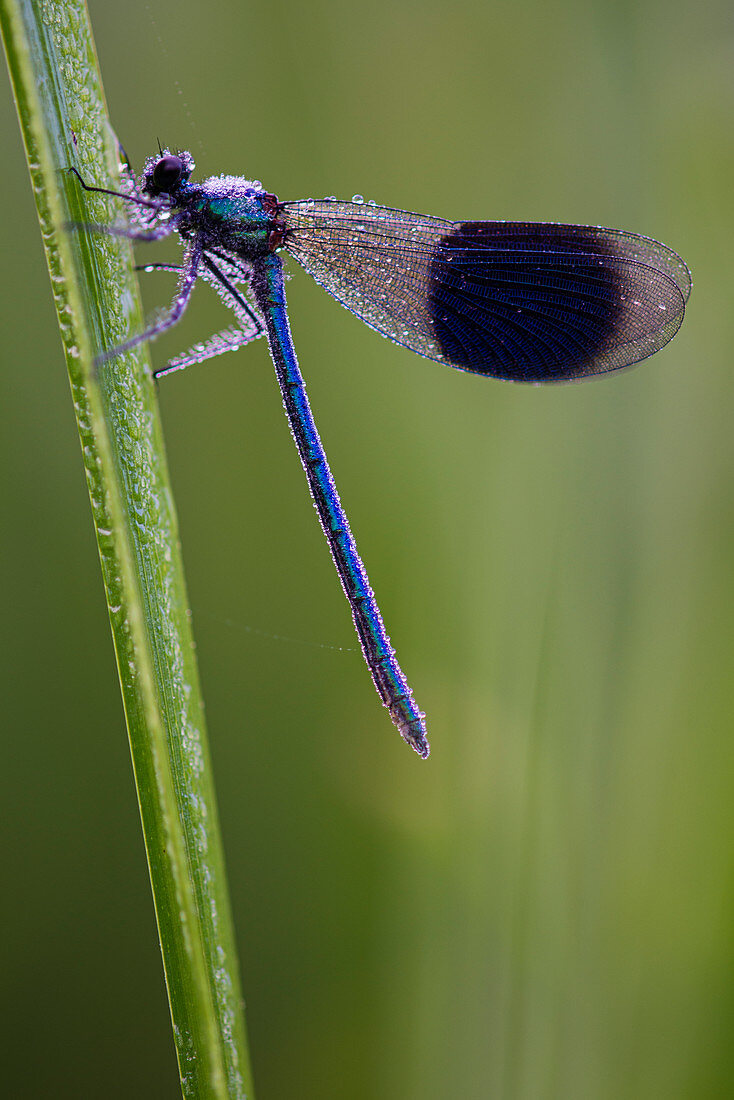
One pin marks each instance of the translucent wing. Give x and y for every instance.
(525, 301)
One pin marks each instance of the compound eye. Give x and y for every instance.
(167, 173)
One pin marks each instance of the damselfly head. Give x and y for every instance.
(164, 173)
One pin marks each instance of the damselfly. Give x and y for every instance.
(523, 301)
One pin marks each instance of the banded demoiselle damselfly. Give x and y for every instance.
(523, 301)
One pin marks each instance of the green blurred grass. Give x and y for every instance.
(544, 909)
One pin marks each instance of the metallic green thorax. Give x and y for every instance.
(230, 213)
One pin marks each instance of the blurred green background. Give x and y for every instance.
(545, 908)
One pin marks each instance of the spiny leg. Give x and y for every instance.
(141, 212)
(235, 270)
(223, 282)
(189, 275)
(229, 339)
(174, 268)
(222, 276)
(135, 198)
(250, 324)
(157, 233)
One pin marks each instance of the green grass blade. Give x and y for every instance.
(63, 118)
